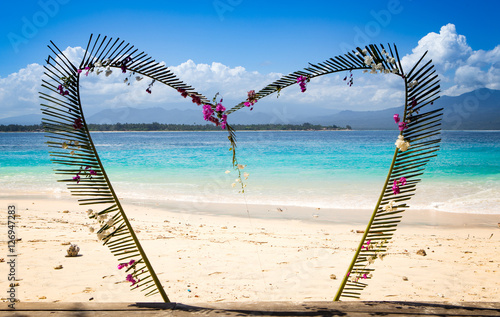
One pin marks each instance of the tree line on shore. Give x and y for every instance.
(155, 126)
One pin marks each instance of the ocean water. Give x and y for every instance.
(322, 169)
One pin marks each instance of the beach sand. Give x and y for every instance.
(202, 257)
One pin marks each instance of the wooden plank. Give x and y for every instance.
(349, 308)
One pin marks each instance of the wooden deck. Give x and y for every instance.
(357, 309)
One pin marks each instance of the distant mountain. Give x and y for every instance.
(476, 110)
(28, 119)
(161, 115)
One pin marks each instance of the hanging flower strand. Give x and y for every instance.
(349, 79)
(148, 90)
(124, 63)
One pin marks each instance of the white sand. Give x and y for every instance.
(203, 258)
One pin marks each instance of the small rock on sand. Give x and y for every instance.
(58, 267)
(333, 276)
(421, 252)
(405, 278)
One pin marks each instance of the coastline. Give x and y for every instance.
(200, 256)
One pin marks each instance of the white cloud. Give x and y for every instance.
(461, 69)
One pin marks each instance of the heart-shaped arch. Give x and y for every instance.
(69, 134)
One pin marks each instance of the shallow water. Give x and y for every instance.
(321, 169)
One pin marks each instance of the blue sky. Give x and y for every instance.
(264, 37)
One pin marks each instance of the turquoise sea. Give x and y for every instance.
(322, 169)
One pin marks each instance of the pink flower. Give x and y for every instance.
(207, 112)
(402, 180)
(301, 80)
(131, 262)
(88, 70)
(395, 188)
(62, 91)
(196, 99)
(79, 71)
(78, 124)
(223, 121)
(251, 99)
(413, 102)
(396, 118)
(182, 92)
(77, 178)
(402, 126)
(365, 276)
(220, 108)
(367, 244)
(148, 90)
(131, 279)
(122, 265)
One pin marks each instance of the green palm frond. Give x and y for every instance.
(422, 89)
(73, 149)
(422, 133)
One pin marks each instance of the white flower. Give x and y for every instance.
(368, 60)
(379, 66)
(402, 144)
(391, 60)
(107, 61)
(64, 145)
(413, 83)
(394, 71)
(246, 175)
(386, 71)
(72, 153)
(108, 71)
(373, 71)
(76, 142)
(91, 229)
(233, 184)
(89, 212)
(98, 64)
(390, 206)
(365, 71)
(110, 222)
(100, 235)
(365, 51)
(241, 166)
(237, 180)
(227, 171)
(98, 71)
(357, 53)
